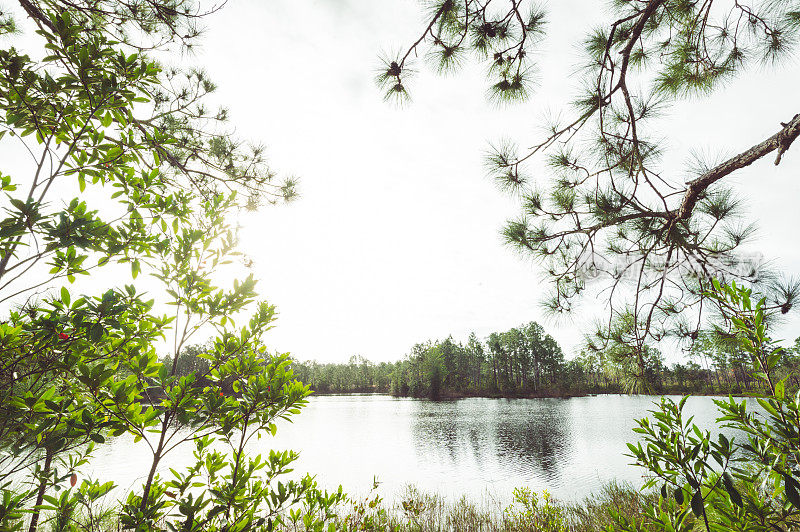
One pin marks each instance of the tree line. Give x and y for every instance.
(525, 361)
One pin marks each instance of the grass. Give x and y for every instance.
(593, 513)
(531, 512)
(418, 511)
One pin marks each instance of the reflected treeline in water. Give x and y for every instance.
(539, 437)
(526, 439)
(474, 447)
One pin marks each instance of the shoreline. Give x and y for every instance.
(536, 395)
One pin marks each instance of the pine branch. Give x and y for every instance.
(780, 141)
(36, 14)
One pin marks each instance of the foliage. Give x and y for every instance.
(417, 511)
(522, 360)
(526, 361)
(154, 181)
(725, 484)
(528, 513)
(358, 375)
(612, 503)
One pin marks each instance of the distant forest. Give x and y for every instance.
(525, 361)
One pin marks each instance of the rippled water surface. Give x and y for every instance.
(472, 447)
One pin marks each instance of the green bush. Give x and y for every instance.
(724, 483)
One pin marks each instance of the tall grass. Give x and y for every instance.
(417, 511)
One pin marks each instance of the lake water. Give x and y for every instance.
(475, 447)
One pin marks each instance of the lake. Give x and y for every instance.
(475, 447)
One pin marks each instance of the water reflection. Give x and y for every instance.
(537, 442)
(466, 447)
(524, 439)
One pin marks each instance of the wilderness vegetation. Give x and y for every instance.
(524, 362)
(603, 206)
(118, 168)
(597, 209)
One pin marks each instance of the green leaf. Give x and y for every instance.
(765, 404)
(734, 494)
(780, 388)
(790, 485)
(697, 504)
(682, 402)
(96, 332)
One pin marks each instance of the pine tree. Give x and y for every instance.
(608, 210)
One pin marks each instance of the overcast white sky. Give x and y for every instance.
(396, 237)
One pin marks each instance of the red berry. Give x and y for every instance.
(63, 336)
